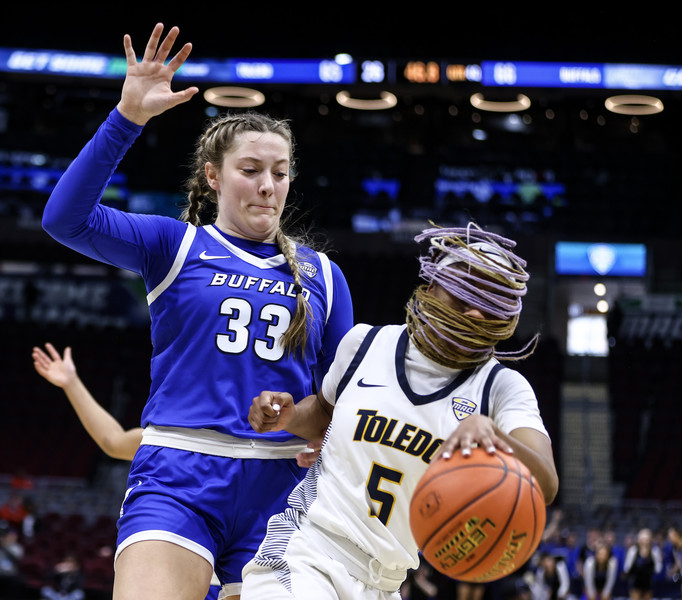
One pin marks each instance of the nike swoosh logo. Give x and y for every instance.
(362, 383)
(204, 256)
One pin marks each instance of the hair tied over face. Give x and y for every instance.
(480, 269)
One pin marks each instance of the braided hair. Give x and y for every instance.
(480, 269)
(219, 138)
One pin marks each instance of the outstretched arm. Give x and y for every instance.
(100, 425)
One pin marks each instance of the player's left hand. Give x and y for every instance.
(475, 430)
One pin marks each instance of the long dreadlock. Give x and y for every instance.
(480, 269)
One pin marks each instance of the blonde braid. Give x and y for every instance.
(297, 334)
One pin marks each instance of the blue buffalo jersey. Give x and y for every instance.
(220, 317)
(218, 304)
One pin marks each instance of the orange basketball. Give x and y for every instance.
(477, 518)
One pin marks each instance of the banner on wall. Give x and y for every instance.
(648, 319)
(71, 299)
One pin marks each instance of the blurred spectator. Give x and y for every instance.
(470, 591)
(552, 538)
(31, 523)
(11, 553)
(643, 561)
(419, 585)
(550, 580)
(600, 572)
(617, 547)
(13, 510)
(67, 581)
(673, 556)
(21, 481)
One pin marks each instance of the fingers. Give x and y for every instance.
(270, 403)
(184, 95)
(131, 59)
(307, 458)
(52, 351)
(153, 42)
(264, 414)
(40, 360)
(475, 433)
(154, 52)
(167, 44)
(181, 56)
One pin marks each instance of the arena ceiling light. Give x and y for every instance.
(384, 101)
(234, 97)
(634, 105)
(522, 102)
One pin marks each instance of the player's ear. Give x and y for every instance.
(212, 174)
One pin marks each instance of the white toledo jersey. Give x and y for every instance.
(393, 410)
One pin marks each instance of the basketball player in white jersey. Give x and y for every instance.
(401, 396)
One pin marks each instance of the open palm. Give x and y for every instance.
(50, 365)
(147, 87)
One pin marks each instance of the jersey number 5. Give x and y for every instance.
(384, 499)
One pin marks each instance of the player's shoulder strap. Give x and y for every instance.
(485, 401)
(357, 358)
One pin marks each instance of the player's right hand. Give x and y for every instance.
(271, 411)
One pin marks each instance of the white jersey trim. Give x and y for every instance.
(166, 536)
(329, 281)
(180, 257)
(214, 443)
(261, 263)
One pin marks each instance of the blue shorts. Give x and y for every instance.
(217, 507)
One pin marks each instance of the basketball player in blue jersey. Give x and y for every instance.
(401, 396)
(236, 306)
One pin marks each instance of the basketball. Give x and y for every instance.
(477, 518)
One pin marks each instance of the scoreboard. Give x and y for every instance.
(346, 70)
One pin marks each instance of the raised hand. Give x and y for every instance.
(147, 89)
(50, 365)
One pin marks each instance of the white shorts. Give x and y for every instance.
(299, 565)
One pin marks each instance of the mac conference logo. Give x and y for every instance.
(462, 407)
(308, 269)
(602, 257)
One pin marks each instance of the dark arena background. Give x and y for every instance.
(558, 127)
